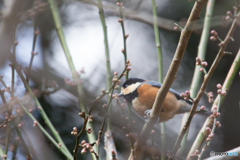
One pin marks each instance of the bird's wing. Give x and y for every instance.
(158, 85)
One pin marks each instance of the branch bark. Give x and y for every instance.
(207, 77)
(185, 35)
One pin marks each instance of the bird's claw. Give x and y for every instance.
(147, 116)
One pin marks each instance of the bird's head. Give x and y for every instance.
(129, 88)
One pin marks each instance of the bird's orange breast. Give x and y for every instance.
(146, 98)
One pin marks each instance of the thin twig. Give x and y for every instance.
(160, 71)
(42, 112)
(35, 34)
(201, 54)
(208, 123)
(28, 155)
(15, 146)
(75, 75)
(78, 138)
(204, 85)
(5, 122)
(105, 92)
(213, 129)
(185, 35)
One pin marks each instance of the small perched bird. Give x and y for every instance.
(142, 93)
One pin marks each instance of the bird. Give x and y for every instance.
(141, 95)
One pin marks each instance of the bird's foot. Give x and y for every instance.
(147, 116)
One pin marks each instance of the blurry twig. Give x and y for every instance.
(42, 112)
(28, 155)
(147, 18)
(15, 146)
(35, 34)
(78, 137)
(108, 66)
(75, 75)
(109, 146)
(204, 84)
(201, 54)
(5, 122)
(105, 92)
(10, 19)
(58, 145)
(160, 72)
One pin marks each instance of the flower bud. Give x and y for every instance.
(198, 60)
(213, 38)
(120, 20)
(219, 86)
(214, 33)
(208, 130)
(204, 64)
(202, 108)
(223, 93)
(219, 91)
(83, 151)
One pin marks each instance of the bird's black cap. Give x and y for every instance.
(131, 81)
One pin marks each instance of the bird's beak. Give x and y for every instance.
(120, 95)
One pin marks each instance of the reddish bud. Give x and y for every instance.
(187, 93)
(75, 129)
(198, 60)
(120, 20)
(228, 18)
(202, 108)
(59, 144)
(218, 124)
(83, 151)
(211, 135)
(208, 130)
(219, 91)
(210, 94)
(113, 153)
(201, 69)
(129, 68)
(229, 13)
(215, 107)
(82, 114)
(197, 151)
(213, 38)
(183, 95)
(204, 64)
(19, 125)
(153, 131)
(214, 33)
(104, 106)
(219, 86)
(36, 32)
(175, 28)
(223, 93)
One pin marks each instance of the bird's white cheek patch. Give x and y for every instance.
(130, 88)
(138, 107)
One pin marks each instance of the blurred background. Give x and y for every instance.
(84, 36)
